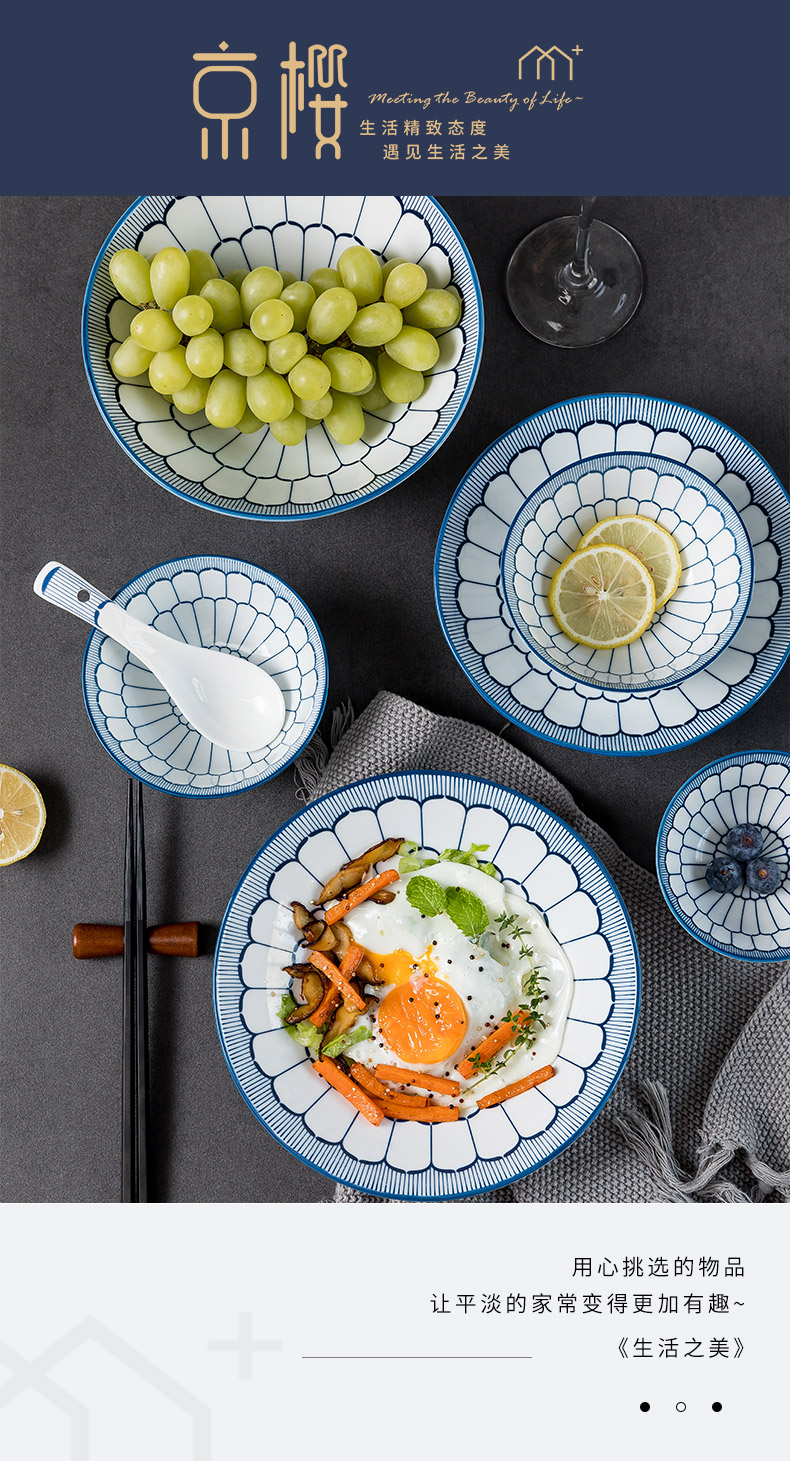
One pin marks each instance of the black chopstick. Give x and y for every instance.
(134, 1180)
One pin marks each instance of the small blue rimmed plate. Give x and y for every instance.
(708, 605)
(224, 604)
(481, 632)
(254, 476)
(537, 854)
(751, 786)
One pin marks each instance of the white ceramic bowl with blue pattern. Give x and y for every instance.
(537, 854)
(750, 786)
(481, 631)
(706, 609)
(254, 475)
(219, 603)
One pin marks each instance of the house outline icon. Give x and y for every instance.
(34, 1374)
(546, 56)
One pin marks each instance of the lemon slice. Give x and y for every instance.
(653, 544)
(22, 815)
(603, 597)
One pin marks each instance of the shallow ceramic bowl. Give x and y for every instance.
(537, 854)
(703, 614)
(752, 786)
(224, 604)
(254, 476)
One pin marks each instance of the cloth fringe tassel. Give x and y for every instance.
(313, 761)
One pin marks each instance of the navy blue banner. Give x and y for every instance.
(405, 98)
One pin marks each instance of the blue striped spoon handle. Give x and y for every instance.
(60, 586)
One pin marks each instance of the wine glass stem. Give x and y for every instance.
(579, 271)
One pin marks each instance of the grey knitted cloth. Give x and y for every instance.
(702, 1111)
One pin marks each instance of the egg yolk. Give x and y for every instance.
(399, 966)
(422, 1020)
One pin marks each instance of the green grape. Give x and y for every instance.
(287, 277)
(261, 284)
(243, 353)
(225, 302)
(376, 324)
(314, 411)
(360, 272)
(436, 309)
(227, 399)
(414, 348)
(331, 314)
(169, 372)
(272, 319)
(349, 371)
(269, 397)
(201, 269)
(388, 266)
(130, 360)
(310, 378)
(300, 298)
(374, 399)
(131, 275)
(205, 354)
(192, 314)
(193, 397)
(284, 352)
(405, 284)
(345, 422)
(290, 431)
(310, 423)
(249, 422)
(323, 279)
(398, 383)
(154, 330)
(169, 277)
(236, 277)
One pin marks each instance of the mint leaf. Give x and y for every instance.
(342, 1042)
(467, 911)
(427, 896)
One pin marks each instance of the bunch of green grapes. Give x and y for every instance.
(261, 347)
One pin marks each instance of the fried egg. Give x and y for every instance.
(443, 992)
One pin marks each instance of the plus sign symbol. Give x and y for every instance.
(577, 50)
(244, 1346)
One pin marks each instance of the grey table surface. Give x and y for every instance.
(712, 331)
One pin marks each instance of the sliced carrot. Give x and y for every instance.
(416, 1078)
(349, 993)
(360, 895)
(493, 1043)
(399, 1112)
(367, 1080)
(404, 1098)
(348, 1088)
(327, 1007)
(351, 960)
(516, 1087)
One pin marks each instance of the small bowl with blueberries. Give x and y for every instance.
(723, 856)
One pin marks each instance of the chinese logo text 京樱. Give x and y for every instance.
(324, 70)
(225, 63)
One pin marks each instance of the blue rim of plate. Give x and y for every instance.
(321, 661)
(589, 743)
(281, 516)
(402, 780)
(744, 554)
(737, 758)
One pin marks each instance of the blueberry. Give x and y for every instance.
(724, 875)
(764, 876)
(744, 841)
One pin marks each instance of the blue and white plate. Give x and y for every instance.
(481, 633)
(708, 605)
(254, 475)
(537, 854)
(219, 603)
(752, 786)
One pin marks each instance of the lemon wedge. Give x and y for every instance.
(22, 815)
(653, 544)
(603, 597)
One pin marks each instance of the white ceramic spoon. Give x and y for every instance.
(233, 703)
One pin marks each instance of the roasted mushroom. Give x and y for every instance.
(312, 993)
(301, 916)
(343, 1020)
(351, 874)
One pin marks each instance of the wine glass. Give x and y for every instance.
(574, 281)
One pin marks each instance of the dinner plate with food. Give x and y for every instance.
(426, 985)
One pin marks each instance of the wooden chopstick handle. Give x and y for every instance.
(105, 940)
